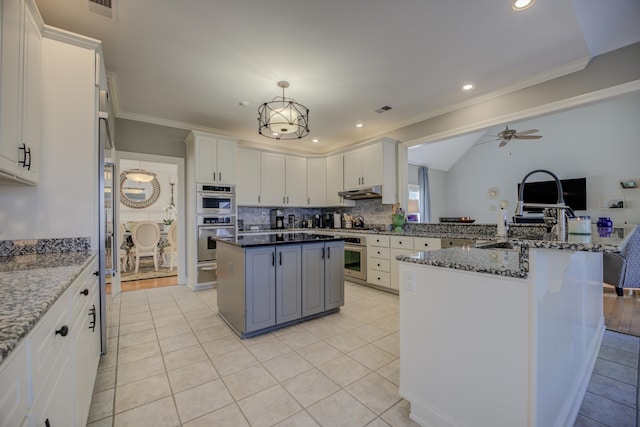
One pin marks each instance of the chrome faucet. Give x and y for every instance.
(562, 211)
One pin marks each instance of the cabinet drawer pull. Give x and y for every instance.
(328, 253)
(63, 331)
(219, 176)
(85, 292)
(280, 258)
(92, 312)
(46, 423)
(214, 176)
(322, 253)
(273, 259)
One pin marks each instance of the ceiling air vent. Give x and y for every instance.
(104, 8)
(383, 109)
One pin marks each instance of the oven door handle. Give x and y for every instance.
(354, 248)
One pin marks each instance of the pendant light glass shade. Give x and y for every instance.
(283, 118)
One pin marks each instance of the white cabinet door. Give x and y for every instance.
(272, 179)
(226, 161)
(316, 182)
(215, 159)
(205, 150)
(10, 85)
(13, 387)
(352, 169)
(31, 123)
(248, 177)
(55, 406)
(372, 169)
(335, 182)
(296, 181)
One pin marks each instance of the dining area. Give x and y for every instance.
(147, 231)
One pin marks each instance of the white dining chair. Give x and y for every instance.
(171, 251)
(145, 236)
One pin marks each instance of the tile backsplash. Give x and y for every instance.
(373, 212)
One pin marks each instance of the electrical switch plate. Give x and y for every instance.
(410, 281)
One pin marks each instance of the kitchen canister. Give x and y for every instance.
(580, 225)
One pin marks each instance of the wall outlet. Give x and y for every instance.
(409, 280)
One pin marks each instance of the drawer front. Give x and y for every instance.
(401, 242)
(47, 347)
(379, 278)
(13, 388)
(377, 252)
(378, 241)
(426, 244)
(379, 264)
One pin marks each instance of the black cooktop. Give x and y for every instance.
(274, 239)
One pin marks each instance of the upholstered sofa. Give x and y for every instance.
(623, 269)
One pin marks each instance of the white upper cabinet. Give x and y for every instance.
(248, 177)
(283, 180)
(215, 158)
(373, 165)
(272, 179)
(295, 181)
(20, 77)
(335, 182)
(316, 182)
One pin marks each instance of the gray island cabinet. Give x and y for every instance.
(269, 281)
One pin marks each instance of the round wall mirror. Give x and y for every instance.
(138, 195)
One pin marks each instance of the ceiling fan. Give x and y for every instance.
(508, 134)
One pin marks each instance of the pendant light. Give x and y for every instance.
(283, 118)
(139, 175)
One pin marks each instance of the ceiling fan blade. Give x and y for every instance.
(484, 142)
(528, 136)
(527, 132)
(503, 143)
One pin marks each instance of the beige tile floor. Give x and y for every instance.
(172, 362)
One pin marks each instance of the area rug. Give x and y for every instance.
(146, 271)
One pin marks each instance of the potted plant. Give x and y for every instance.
(397, 217)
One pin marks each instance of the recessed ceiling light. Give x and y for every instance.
(314, 140)
(359, 125)
(243, 103)
(468, 86)
(519, 5)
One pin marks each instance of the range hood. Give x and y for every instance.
(374, 192)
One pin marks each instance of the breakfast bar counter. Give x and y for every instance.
(507, 334)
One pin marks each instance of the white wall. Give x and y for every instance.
(438, 195)
(599, 142)
(65, 202)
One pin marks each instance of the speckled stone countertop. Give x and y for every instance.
(511, 257)
(29, 285)
(501, 262)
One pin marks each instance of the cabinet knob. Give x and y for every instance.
(85, 292)
(63, 331)
(47, 423)
(96, 273)
(426, 244)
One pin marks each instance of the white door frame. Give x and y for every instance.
(180, 200)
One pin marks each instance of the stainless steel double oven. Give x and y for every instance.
(216, 220)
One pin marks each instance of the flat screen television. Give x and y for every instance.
(573, 190)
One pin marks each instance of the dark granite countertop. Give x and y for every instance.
(29, 286)
(269, 239)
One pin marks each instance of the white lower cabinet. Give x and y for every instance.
(382, 250)
(14, 375)
(48, 378)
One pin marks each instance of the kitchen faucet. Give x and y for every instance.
(562, 211)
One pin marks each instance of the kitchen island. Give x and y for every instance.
(269, 281)
(503, 336)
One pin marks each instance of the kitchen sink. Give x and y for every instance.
(495, 245)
